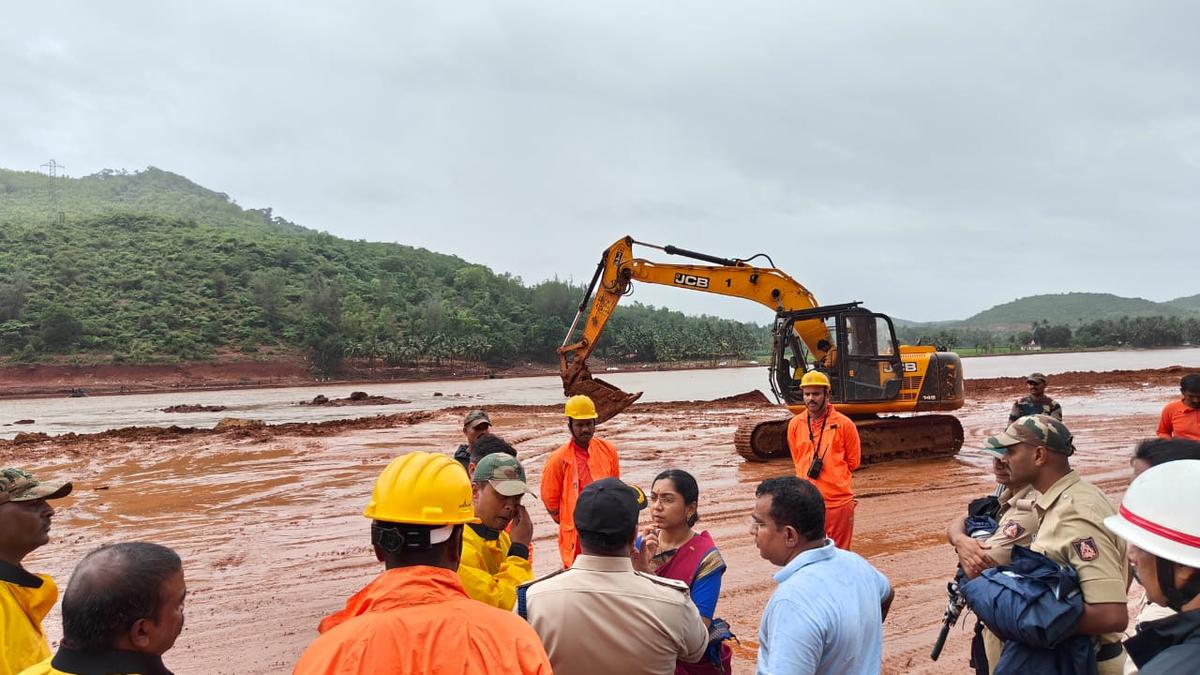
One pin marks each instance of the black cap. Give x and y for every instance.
(609, 507)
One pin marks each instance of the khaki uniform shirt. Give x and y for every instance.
(1073, 533)
(600, 616)
(1018, 523)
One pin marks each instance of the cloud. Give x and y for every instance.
(929, 160)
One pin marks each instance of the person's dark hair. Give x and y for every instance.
(685, 485)
(111, 589)
(390, 540)
(797, 503)
(1157, 451)
(604, 544)
(1190, 383)
(488, 445)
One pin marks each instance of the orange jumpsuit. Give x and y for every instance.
(419, 620)
(560, 487)
(840, 454)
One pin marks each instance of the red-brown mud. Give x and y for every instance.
(267, 518)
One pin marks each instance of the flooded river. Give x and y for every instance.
(277, 405)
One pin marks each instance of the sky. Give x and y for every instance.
(929, 159)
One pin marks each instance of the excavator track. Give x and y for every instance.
(883, 438)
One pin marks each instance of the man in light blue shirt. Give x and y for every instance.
(826, 616)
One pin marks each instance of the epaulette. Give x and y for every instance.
(663, 581)
(522, 611)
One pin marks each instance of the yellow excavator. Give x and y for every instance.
(872, 374)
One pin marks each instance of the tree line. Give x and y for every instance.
(1139, 332)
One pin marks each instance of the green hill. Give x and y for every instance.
(149, 266)
(1071, 308)
(1190, 303)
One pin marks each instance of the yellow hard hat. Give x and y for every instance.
(422, 488)
(580, 407)
(814, 378)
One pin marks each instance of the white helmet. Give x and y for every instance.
(1160, 512)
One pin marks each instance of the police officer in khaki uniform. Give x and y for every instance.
(1037, 449)
(1017, 523)
(599, 615)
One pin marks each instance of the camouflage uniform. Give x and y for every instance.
(1031, 405)
(1071, 530)
(1028, 405)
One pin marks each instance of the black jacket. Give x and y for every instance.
(1170, 645)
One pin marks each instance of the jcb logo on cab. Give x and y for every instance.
(691, 280)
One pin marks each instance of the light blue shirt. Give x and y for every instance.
(824, 617)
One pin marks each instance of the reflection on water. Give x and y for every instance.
(92, 414)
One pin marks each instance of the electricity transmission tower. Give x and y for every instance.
(56, 215)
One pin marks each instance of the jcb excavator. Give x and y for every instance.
(871, 373)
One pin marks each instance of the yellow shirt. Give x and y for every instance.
(25, 599)
(488, 573)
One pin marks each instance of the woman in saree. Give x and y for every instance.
(671, 548)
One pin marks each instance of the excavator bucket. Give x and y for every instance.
(610, 400)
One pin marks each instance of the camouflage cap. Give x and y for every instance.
(475, 418)
(1036, 378)
(505, 474)
(1041, 430)
(20, 486)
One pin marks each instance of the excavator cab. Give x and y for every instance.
(858, 352)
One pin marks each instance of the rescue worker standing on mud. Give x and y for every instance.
(1071, 532)
(25, 598)
(601, 616)
(1160, 518)
(415, 617)
(122, 611)
(495, 562)
(1016, 525)
(1037, 402)
(572, 468)
(1181, 418)
(825, 449)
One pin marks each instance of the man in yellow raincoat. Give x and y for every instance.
(25, 598)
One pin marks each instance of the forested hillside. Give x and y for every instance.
(148, 266)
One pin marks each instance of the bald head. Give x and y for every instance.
(125, 596)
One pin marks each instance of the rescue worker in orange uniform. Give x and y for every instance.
(25, 598)
(825, 448)
(415, 617)
(573, 467)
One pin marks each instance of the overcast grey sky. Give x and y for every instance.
(931, 159)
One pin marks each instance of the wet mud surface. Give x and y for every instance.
(267, 517)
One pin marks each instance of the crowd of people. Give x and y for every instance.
(457, 593)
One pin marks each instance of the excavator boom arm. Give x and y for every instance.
(618, 269)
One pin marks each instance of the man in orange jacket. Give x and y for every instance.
(573, 467)
(825, 448)
(415, 617)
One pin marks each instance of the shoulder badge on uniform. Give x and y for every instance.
(1012, 529)
(1086, 549)
(663, 581)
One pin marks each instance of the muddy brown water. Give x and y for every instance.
(93, 414)
(270, 529)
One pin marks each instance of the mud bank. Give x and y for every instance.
(267, 517)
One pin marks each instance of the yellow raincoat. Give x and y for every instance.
(25, 599)
(487, 570)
